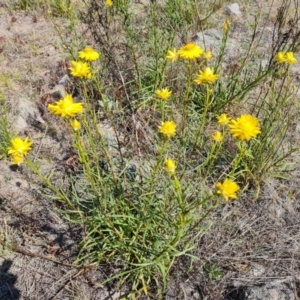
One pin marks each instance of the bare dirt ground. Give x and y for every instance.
(31, 64)
(254, 241)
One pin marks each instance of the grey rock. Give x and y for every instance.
(27, 112)
(58, 91)
(233, 9)
(211, 39)
(64, 80)
(110, 137)
(269, 291)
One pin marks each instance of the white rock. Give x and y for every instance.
(233, 9)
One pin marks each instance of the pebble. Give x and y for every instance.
(26, 113)
(233, 9)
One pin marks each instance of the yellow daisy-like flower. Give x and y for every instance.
(108, 2)
(227, 189)
(218, 136)
(163, 94)
(170, 166)
(80, 69)
(207, 76)
(245, 127)
(190, 51)
(89, 54)
(66, 107)
(75, 125)
(290, 58)
(17, 159)
(207, 55)
(223, 119)
(19, 148)
(280, 58)
(285, 58)
(168, 128)
(172, 55)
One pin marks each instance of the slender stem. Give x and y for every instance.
(154, 173)
(186, 98)
(238, 158)
(204, 115)
(158, 163)
(96, 128)
(163, 110)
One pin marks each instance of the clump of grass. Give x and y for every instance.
(199, 138)
(57, 7)
(5, 132)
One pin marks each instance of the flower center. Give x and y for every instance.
(189, 47)
(246, 127)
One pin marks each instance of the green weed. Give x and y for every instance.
(5, 131)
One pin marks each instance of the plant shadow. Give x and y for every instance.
(7, 281)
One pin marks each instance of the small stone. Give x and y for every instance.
(27, 112)
(233, 9)
(268, 291)
(64, 80)
(58, 92)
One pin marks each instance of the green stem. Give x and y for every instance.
(238, 158)
(154, 173)
(204, 115)
(163, 110)
(186, 98)
(158, 163)
(96, 128)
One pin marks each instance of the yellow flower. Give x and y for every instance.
(89, 54)
(223, 119)
(80, 69)
(207, 76)
(66, 107)
(75, 125)
(286, 58)
(19, 148)
(168, 128)
(17, 159)
(207, 55)
(245, 127)
(170, 166)
(190, 51)
(227, 189)
(218, 136)
(172, 55)
(280, 58)
(163, 94)
(108, 2)
(226, 25)
(290, 59)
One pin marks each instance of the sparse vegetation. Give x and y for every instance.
(5, 132)
(164, 132)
